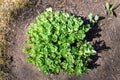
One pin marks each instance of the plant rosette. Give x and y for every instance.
(56, 42)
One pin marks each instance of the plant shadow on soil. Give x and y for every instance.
(99, 45)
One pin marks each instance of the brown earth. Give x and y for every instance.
(105, 37)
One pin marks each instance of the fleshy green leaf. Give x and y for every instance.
(107, 5)
(96, 18)
(49, 9)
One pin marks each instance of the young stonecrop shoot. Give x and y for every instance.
(109, 8)
(56, 43)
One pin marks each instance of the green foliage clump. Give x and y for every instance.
(56, 43)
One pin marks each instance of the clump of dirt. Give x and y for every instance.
(105, 38)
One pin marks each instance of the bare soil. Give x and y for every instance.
(105, 37)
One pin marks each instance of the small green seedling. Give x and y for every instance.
(93, 19)
(110, 7)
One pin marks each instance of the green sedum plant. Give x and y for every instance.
(56, 43)
(110, 8)
(93, 19)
